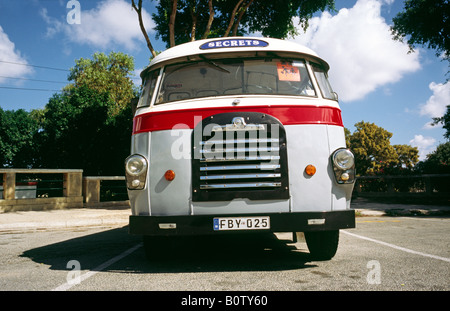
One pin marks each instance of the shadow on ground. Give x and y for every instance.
(250, 252)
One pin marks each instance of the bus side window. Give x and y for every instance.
(322, 80)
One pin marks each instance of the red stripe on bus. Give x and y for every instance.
(188, 118)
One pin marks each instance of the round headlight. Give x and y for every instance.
(135, 165)
(343, 159)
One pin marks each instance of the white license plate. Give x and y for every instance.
(242, 223)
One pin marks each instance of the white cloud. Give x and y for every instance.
(111, 23)
(358, 45)
(436, 105)
(9, 54)
(425, 145)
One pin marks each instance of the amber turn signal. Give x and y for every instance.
(310, 170)
(169, 175)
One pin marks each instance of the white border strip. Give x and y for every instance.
(398, 247)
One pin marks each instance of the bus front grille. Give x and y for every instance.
(239, 155)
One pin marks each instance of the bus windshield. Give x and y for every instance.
(234, 77)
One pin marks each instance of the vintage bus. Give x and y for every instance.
(239, 135)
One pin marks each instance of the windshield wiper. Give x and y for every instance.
(213, 64)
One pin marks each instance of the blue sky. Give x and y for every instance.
(375, 77)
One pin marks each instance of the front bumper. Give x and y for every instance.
(203, 224)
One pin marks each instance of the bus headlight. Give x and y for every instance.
(343, 166)
(136, 167)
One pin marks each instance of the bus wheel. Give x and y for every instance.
(322, 245)
(157, 247)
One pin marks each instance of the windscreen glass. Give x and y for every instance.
(234, 77)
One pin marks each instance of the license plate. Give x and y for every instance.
(242, 223)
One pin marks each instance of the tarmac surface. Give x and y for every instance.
(114, 216)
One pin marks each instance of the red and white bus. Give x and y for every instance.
(239, 135)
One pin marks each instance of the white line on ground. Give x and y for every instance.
(94, 271)
(397, 247)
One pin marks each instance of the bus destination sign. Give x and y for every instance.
(231, 43)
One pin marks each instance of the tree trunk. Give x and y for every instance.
(194, 24)
(173, 14)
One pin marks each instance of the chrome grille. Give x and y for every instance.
(249, 161)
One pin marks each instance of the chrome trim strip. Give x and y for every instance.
(240, 176)
(247, 149)
(240, 141)
(240, 167)
(248, 158)
(243, 185)
(232, 127)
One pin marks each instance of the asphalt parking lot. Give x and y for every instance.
(407, 252)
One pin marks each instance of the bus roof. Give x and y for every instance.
(232, 45)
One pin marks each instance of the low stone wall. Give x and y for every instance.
(77, 192)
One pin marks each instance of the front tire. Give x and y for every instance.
(322, 245)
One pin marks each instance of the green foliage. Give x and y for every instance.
(407, 156)
(271, 18)
(372, 148)
(424, 22)
(79, 132)
(374, 153)
(437, 162)
(17, 130)
(88, 126)
(275, 18)
(106, 74)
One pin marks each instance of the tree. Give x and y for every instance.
(106, 74)
(407, 155)
(78, 132)
(374, 153)
(424, 22)
(438, 162)
(179, 21)
(17, 130)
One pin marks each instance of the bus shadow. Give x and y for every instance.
(188, 254)
(229, 253)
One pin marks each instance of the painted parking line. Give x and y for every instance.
(68, 285)
(371, 221)
(407, 250)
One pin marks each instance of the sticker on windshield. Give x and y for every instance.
(287, 72)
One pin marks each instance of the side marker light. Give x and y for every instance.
(169, 175)
(310, 170)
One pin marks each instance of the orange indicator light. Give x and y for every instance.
(169, 175)
(310, 170)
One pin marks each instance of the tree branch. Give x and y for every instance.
(241, 14)
(233, 14)
(210, 20)
(138, 10)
